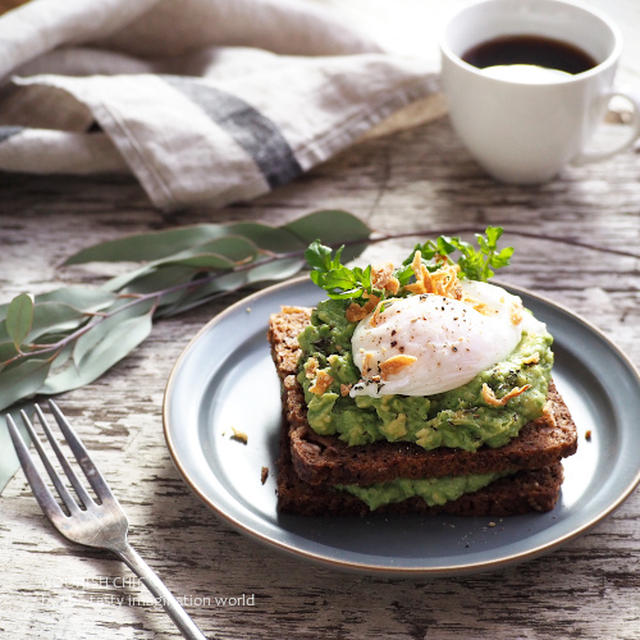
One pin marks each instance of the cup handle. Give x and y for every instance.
(596, 156)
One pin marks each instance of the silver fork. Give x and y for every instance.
(101, 523)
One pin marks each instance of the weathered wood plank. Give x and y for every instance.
(412, 180)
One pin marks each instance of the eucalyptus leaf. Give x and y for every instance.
(89, 299)
(225, 283)
(22, 380)
(119, 283)
(205, 290)
(126, 282)
(220, 253)
(53, 317)
(7, 351)
(203, 261)
(112, 347)
(274, 239)
(166, 279)
(86, 330)
(182, 305)
(161, 279)
(332, 227)
(19, 318)
(228, 250)
(49, 318)
(275, 270)
(232, 247)
(62, 358)
(101, 328)
(148, 246)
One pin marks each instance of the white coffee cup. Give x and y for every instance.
(523, 129)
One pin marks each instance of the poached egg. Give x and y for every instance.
(428, 343)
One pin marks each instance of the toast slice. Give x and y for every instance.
(328, 460)
(310, 464)
(526, 491)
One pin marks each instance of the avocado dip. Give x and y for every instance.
(434, 491)
(459, 418)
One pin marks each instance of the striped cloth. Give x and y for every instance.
(202, 100)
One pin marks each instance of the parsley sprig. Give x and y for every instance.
(330, 274)
(476, 263)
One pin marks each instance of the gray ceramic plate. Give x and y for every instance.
(225, 379)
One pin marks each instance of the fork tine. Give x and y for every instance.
(103, 528)
(64, 494)
(84, 497)
(40, 490)
(84, 460)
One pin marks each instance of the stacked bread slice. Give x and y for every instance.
(311, 467)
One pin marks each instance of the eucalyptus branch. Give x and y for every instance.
(69, 337)
(376, 238)
(507, 232)
(98, 318)
(273, 257)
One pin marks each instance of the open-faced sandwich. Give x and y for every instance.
(418, 388)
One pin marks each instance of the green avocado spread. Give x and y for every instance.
(434, 491)
(457, 418)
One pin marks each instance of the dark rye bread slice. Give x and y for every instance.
(321, 459)
(328, 460)
(526, 491)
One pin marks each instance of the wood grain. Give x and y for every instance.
(416, 179)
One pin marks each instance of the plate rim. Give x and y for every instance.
(323, 559)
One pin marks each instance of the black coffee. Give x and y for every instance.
(523, 49)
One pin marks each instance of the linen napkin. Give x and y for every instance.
(202, 100)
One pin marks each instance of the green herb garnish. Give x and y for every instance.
(330, 274)
(476, 263)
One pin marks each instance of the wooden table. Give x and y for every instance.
(413, 179)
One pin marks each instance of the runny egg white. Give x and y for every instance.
(426, 344)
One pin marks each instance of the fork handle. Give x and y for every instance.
(180, 617)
